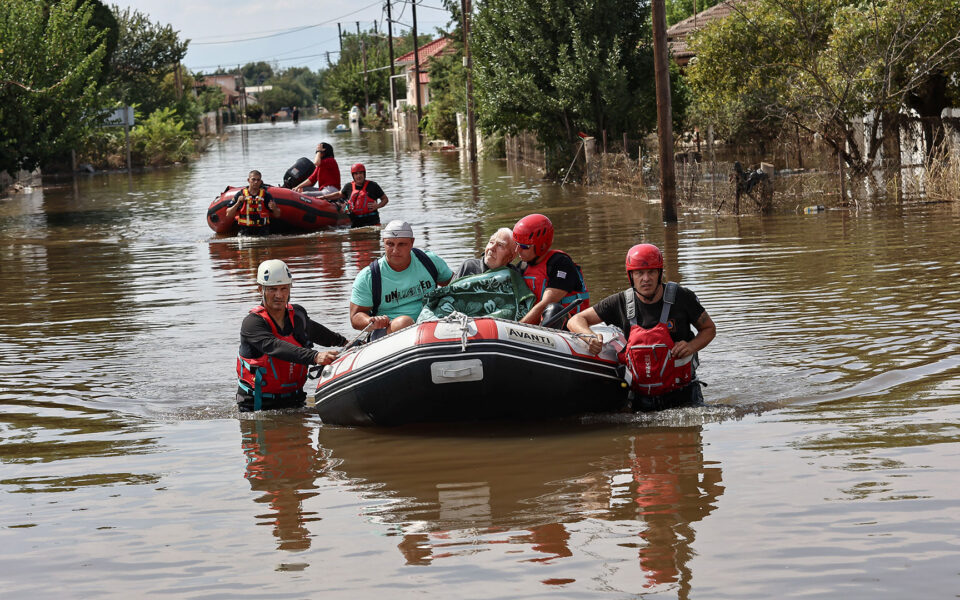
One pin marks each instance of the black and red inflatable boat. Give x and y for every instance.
(298, 212)
(466, 369)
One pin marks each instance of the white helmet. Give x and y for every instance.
(274, 272)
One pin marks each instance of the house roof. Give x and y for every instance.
(437, 47)
(677, 34)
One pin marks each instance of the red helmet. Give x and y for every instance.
(358, 168)
(644, 256)
(534, 230)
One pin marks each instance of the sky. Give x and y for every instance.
(285, 33)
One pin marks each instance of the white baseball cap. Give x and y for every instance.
(397, 229)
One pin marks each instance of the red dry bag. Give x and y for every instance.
(651, 369)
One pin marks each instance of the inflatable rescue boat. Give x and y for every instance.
(461, 368)
(298, 212)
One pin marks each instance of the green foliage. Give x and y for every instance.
(256, 73)
(822, 66)
(210, 97)
(556, 67)
(145, 53)
(343, 83)
(50, 60)
(103, 148)
(280, 96)
(296, 86)
(162, 139)
(447, 97)
(678, 10)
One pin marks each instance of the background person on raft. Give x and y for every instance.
(404, 278)
(500, 251)
(275, 340)
(364, 198)
(253, 206)
(644, 265)
(327, 171)
(551, 275)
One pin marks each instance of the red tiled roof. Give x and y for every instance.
(434, 48)
(677, 34)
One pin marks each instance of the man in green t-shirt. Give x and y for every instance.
(389, 293)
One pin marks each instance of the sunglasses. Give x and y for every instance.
(524, 246)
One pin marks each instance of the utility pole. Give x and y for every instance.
(178, 81)
(390, 45)
(340, 36)
(416, 72)
(468, 65)
(664, 113)
(363, 54)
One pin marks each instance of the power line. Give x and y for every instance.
(243, 36)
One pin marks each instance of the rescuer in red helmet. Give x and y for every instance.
(364, 198)
(639, 311)
(551, 275)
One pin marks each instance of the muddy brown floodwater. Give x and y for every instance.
(824, 464)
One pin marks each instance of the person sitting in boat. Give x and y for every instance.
(327, 171)
(253, 206)
(553, 277)
(388, 294)
(275, 345)
(652, 308)
(500, 251)
(499, 292)
(364, 198)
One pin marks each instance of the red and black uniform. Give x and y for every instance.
(273, 361)
(362, 202)
(687, 309)
(556, 269)
(254, 214)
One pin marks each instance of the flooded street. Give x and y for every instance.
(824, 464)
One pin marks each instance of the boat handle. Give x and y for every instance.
(456, 372)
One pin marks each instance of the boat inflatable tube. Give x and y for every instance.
(298, 212)
(298, 173)
(469, 369)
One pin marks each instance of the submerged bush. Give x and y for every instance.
(161, 139)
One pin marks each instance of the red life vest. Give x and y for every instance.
(254, 212)
(651, 368)
(266, 376)
(360, 202)
(536, 278)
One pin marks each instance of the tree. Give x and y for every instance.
(678, 10)
(570, 66)
(823, 66)
(145, 53)
(50, 59)
(447, 88)
(343, 83)
(256, 73)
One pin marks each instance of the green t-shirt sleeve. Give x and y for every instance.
(443, 270)
(362, 292)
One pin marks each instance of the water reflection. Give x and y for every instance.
(283, 465)
(529, 493)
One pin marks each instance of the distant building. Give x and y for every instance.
(438, 47)
(230, 86)
(677, 35)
